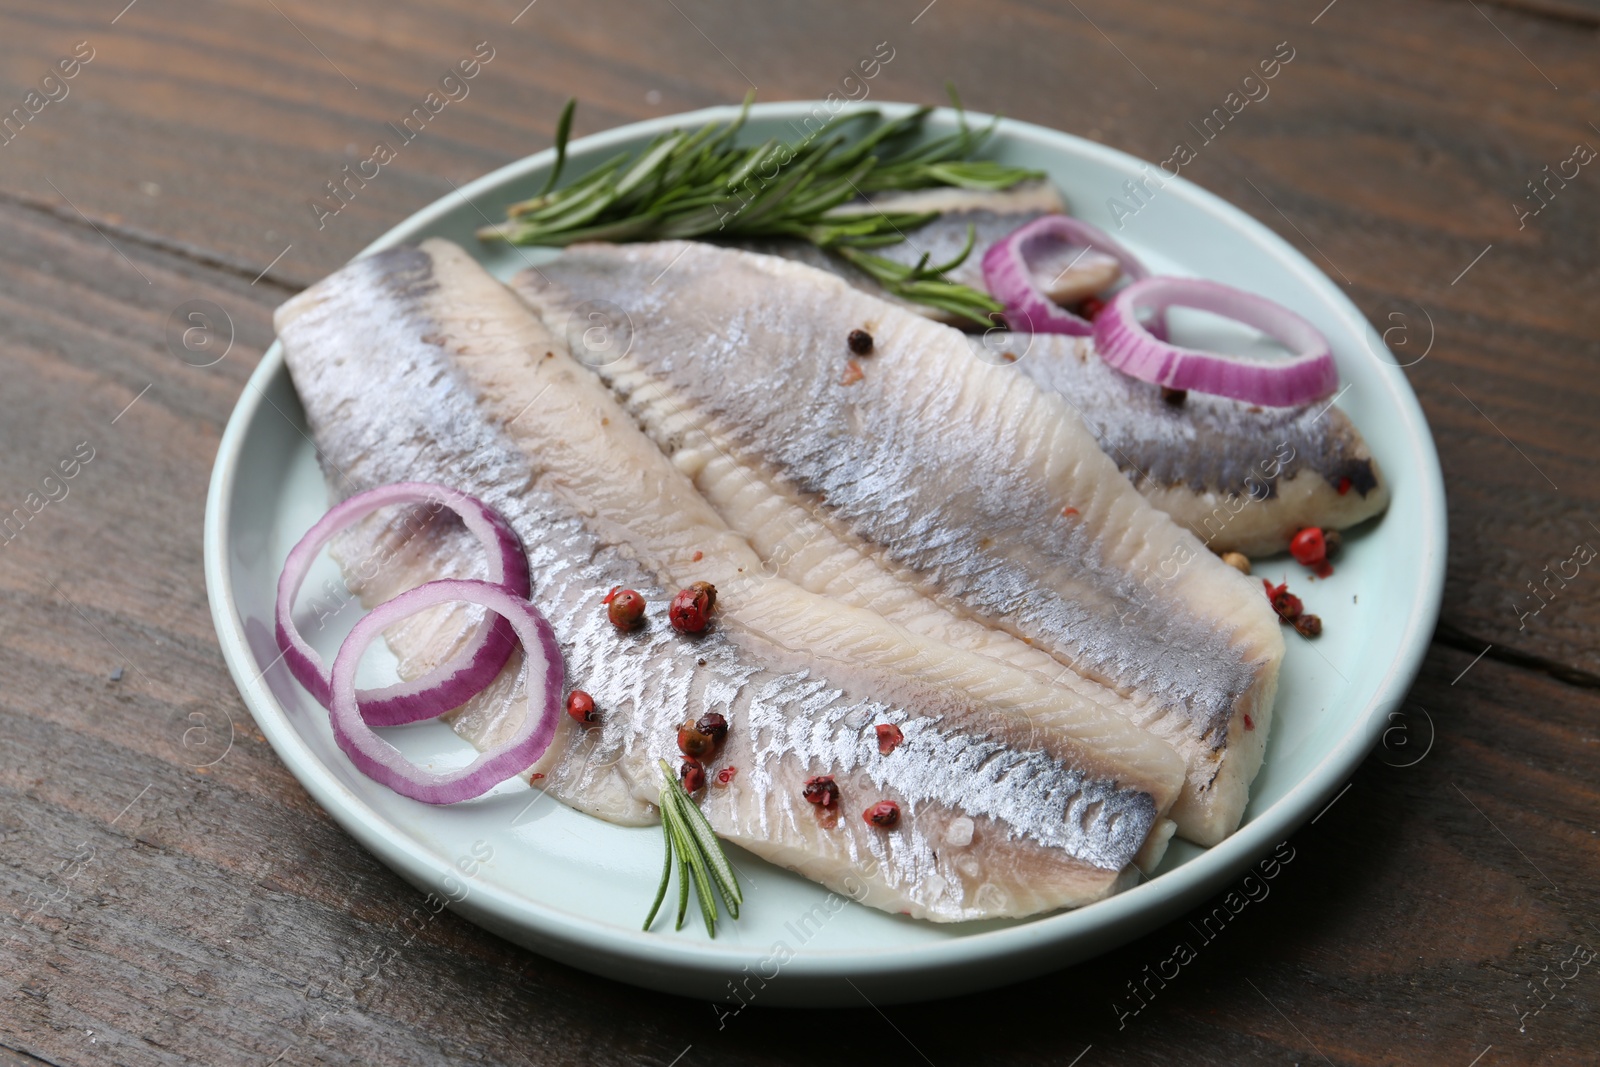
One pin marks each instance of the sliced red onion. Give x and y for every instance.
(452, 683)
(1123, 342)
(384, 764)
(1009, 276)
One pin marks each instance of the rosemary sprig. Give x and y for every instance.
(686, 834)
(927, 285)
(702, 184)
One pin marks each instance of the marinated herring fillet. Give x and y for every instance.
(1244, 478)
(1016, 798)
(926, 484)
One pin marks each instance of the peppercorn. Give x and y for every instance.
(693, 775)
(1291, 610)
(625, 608)
(1175, 397)
(1238, 561)
(694, 743)
(1308, 547)
(725, 776)
(714, 726)
(889, 737)
(1308, 625)
(885, 815)
(690, 611)
(580, 706)
(821, 791)
(860, 342)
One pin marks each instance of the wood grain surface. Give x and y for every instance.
(160, 912)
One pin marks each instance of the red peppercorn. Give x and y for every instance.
(693, 775)
(1090, 307)
(885, 815)
(821, 791)
(714, 726)
(580, 706)
(1279, 597)
(625, 608)
(1308, 547)
(889, 737)
(690, 611)
(725, 776)
(1344, 486)
(693, 743)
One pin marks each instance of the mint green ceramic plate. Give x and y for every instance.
(574, 888)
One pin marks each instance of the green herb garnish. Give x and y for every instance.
(687, 834)
(923, 284)
(687, 185)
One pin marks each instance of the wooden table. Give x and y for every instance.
(158, 913)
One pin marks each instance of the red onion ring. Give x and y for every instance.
(1124, 343)
(1009, 277)
(383, 763)
(452, 683)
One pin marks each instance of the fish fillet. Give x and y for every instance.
(1016, 797)
(925, 484)
(1244, 478)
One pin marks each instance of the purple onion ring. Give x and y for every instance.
(1124, 343)
(383, 763)
(452, 683)
(1009, 277)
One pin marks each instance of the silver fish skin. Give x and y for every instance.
(414, 364)
(1244, 478)
(990, 215)
(950, 495)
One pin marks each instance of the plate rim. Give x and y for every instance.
(1107, 922)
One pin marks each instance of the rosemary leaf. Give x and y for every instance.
(563, 131)
(703, 893)
(666, 874)
(683, 883)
